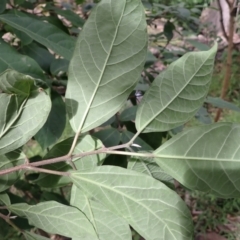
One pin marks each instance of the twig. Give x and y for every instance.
(229, 3)
(221, 20)
(228, 66)
(72, 164)
(34, 166)
(47, 171)
(7, 219)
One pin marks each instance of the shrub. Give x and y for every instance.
(113, 168)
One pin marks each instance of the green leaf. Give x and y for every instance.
(220, 103)
(70, 16)
(109, 137)
(4, 198)
(55, 21)
(107, 224)
(183, 13)
(116, 160)
(107, 62)
(33, 149)
(203, 116)
(59, 65)
(110, 121)
(151, 59)
(40, 54)
(7, 161)
(128, 114)
(153, 139)
(7, 231)
(80, 1)
(200, 46)
(51, 196)
(204, 158)
(56, 218)
(13, 82)
(169, 27)
(11, 59)
(148, 166)
(42, 32)
(24, 38)
(33, 236)
(21, 117)
(3, 4)
(28, 5)
(152, 209)
(55, 124)
(177, 93)
(53, 181)
(18, 2)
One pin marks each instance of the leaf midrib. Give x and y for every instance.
(103, 70)
(180, 157)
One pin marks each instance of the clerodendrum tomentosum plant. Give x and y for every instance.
(106, 200)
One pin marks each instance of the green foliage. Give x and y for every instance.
(11, 59)
(42, 32)
(24, 110)
(98, 161)
(9, 160)
(3, 5)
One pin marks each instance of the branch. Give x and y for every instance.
(221, 19)
(29, 166)
(228, 65)
(7, 219)
(35, 165)
(229, 3)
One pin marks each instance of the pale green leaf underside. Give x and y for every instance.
(107, 62)
(107, 224)
(42, 32)
(56, 218)
(177, 93)
(152, 209)
(205, 158)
